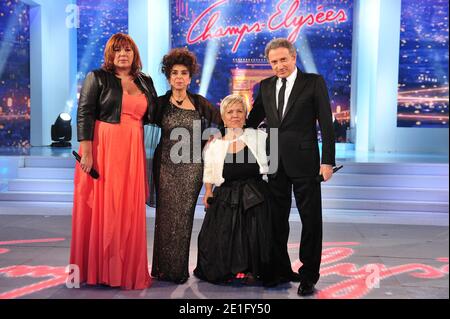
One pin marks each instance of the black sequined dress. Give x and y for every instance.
(179, 183)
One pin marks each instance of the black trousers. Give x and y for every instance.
(307, 195)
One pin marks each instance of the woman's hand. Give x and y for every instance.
(212, 138)
(87, 160)
(208, 194)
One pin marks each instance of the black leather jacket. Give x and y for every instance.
(101, 99)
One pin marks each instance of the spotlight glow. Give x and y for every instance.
(65, 116)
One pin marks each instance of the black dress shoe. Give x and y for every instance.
(305, 289)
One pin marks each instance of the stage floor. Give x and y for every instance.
(344, 153)
(360, 261)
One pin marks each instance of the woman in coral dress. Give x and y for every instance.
(109, 243)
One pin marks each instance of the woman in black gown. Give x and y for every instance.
(235, 238)
(178, 165)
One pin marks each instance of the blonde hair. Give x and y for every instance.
(230, 100)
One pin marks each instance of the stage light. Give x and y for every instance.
(212, 50)
(306, 56)
(62, 131)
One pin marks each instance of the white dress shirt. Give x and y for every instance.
(290, 80)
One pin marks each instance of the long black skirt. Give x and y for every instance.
(236, 235)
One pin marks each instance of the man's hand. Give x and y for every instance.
(326, 171)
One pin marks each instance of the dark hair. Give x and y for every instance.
(116, 41)
(179, 56)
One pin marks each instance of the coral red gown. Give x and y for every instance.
(109, 242)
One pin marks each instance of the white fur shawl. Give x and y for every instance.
(216, 151)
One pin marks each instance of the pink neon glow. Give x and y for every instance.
(288, 20)
(358, 285)
(58, 275)
(31, 241)
(279, 20)
(357, 281)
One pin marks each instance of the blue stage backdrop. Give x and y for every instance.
(14, 74)
(229, 38)
(99, 20)
(423, 76)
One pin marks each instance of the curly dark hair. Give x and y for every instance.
(179, 56)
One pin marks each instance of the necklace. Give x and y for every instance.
(179, 102)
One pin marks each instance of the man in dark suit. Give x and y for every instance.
(293, 102)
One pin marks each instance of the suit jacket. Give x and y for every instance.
(297, 131)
